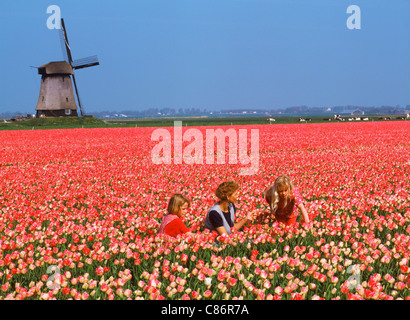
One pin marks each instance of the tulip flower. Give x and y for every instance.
(231, 282)
(208, 294)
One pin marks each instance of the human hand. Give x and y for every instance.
(307, 225)
(265, 217)
(251, 215)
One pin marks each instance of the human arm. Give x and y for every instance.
(184, 229)
(221, 230)
(176, 227)
(304, 213)
(218, 224)
(299, 204)
(242, 222)
(237, 226)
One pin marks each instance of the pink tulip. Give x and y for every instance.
(99, 271)
(208, 294)
(195, 295)
(399, 285)
(232, 282)
(221, 275)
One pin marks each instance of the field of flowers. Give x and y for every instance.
(80, 208)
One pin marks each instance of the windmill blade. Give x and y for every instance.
(66, 43)
(85, 62)
(77, 64)
(63, 45)
(78, 96)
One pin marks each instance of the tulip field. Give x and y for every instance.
(80, 210)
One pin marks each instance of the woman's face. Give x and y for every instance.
(182, 210)
(233, 197)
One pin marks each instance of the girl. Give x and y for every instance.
(221, 216)
(172, 223)
(285, 202)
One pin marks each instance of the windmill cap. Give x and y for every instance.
(56, 67)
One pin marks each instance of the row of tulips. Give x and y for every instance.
(79, 212)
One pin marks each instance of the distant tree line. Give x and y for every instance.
(195, 111)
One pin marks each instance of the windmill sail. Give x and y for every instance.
(85, 62)
(63, 44)
(66, 43)
(78, 96)
(77, 64)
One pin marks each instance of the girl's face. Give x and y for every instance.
(182, 210)
(283, 192)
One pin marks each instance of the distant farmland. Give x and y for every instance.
(91, 122)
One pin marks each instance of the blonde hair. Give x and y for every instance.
(272, 196)
(225, 189)
(176, 202)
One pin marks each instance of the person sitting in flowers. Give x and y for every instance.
(221, 216)
(172, 223)
(285, 201)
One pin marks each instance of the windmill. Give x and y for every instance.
(56, 92)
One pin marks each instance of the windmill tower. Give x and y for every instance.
(56, 96)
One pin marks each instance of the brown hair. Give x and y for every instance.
(225, 189)
(176, 202)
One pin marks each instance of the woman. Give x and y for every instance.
(222, 215)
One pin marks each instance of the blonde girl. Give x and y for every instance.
(285, 201)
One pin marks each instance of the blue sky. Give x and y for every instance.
(212, 54)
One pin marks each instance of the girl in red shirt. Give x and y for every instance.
(172, 223)
(285, 201)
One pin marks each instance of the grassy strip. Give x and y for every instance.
(91, 122)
